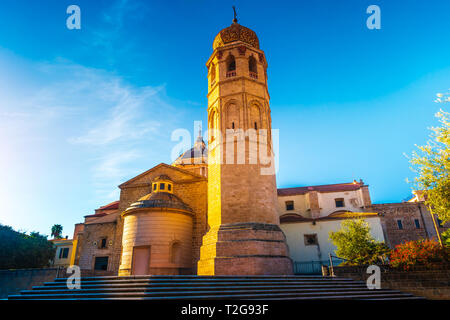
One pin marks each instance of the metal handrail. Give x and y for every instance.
(330, 256)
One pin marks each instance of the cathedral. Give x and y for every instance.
(216, 210)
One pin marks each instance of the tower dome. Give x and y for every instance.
(236, 32)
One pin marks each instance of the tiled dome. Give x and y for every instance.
(163, 200)
(236, 32)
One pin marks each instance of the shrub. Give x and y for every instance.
(420, 252)
(19, 250)
(355, 243)
(445, 236)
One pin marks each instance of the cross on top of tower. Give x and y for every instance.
(235, 20)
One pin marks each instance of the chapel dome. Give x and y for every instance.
(236, 32)
(164, 200)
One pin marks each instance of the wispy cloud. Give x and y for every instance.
(92, 111)
(109, 172)
(124, 121)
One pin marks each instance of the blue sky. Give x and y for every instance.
(82, 111)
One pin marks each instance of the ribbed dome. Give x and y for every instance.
(196, 155)
(160, 200)
(236, 32)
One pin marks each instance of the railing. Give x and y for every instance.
(312, 267)
(231, 74)
(330, 259)
(253, 75)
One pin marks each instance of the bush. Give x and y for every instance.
(19, 250)
(445, 237)
(420, 252)
(355, 243)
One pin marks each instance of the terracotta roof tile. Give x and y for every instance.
(323, 188)
(110, 206)
(339, 215)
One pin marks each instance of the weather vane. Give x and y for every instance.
(235, 15)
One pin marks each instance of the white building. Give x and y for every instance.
(309, 214)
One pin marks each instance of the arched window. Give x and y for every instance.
(252, 65)
(213, 72)
(175, 252)
(255, 117)
(212, 126)
(252, 68)
(231, 63)
(232, 116)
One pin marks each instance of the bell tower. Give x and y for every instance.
(244, 237)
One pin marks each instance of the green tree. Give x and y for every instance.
(445, 236)
(57, 231)
(354, 243)
(431, 163)
(19, 250)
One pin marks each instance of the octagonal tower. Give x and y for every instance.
(244, 236)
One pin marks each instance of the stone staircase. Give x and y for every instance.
(209, 287)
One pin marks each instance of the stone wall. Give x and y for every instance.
(158, 229)
(190, 188)
(88, 245)
(407, 212)
(13, 281)
(429, 283)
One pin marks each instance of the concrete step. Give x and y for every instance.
(200, 284)
(366, 294)
(194, 277)
(222, 287)
(212, 291)
(174, 290)
(273, 297)
(204, 278)
(166, 286)
(201, 281)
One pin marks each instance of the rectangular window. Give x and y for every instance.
(101, 263)
(311, 239)
(339, 202)
(169, 187)
(400, 224)
(154, 186)
(289, 205)
(417, 223)
(103, 243)
(63, 253)
(162, 186)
